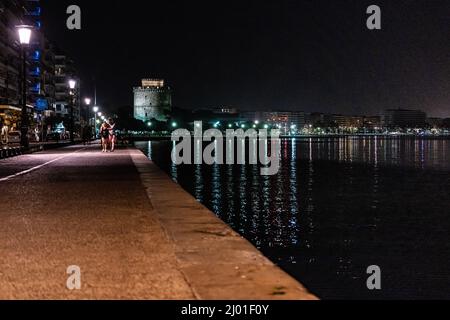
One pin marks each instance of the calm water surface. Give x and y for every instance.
(337, 206)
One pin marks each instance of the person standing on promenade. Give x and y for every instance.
(104, 134)
(87, 132)
(112, 133)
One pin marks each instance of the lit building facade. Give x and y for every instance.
(40, 68)
(65, 70)
(40, 60)
(152, 100)
(287, 121)
(343, 121)
(372, 122)
(11, 14)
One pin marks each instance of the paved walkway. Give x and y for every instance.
(114, 216)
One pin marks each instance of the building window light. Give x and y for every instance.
(36, 55)
(35, 13)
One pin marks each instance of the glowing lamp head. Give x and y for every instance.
(24, 34)
(99, 114)
(87, 101)
(72, 84)
(95, 109)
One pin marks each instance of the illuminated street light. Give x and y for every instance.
(72, 85)
(174, 124)
(24, 39)
(149, 124)
(99, 114)
(87, 102)
(230, 125)
(95, 110)
(256, 121)
(24, 34)
(266, 126)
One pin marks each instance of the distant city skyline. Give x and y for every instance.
(302, 55)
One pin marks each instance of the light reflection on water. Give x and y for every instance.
(337, 206)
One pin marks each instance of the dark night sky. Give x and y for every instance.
(290, 55)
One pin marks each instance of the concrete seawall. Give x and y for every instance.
(217, 262)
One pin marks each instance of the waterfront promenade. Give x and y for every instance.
(133, 232)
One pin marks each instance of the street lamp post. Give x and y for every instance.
(72, 85)
(95, 109)
(87, 102)
(24, 38)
